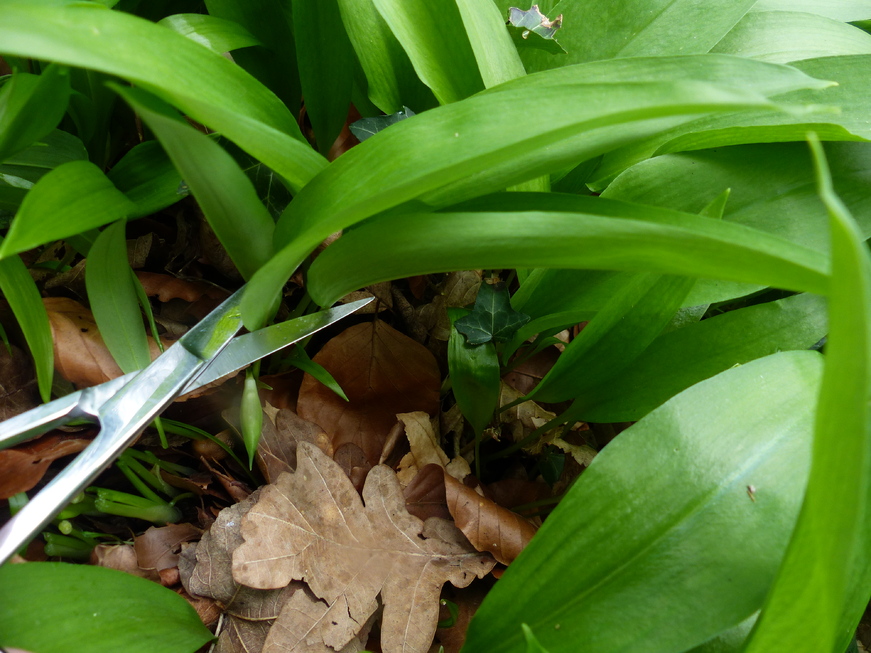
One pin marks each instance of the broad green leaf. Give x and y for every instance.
(845, 10)
(72, 198)
(475, 375)
(470, 148)
(203, 84)
(114, 301)
(821, 589)
(494, 50)
(843, 116)
(432, 34)
(147, 177)
(271, 22)
(217, 34)
(224, 193)
(547, 291)
(390, 76)
(367, 127)
(492, 318)
(613, 339)
(26, 303)
(631, 28)
(680, 358)
(690, 551)
(784, 36)
(31, 164)
(578, 232)
(271, 191)
(532, 644)
(772, 189)
(324, 53)
(731, 641)
(93, 609)
(31, 106)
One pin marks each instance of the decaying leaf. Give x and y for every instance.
(157, 549)
(383, 373)
(458, 289)
(282, 431)
(489, 526)
(531, 28)
(18, 389)
(23, 467)
(425, 494)
(312, 525)
(425, 449)
(80, 355)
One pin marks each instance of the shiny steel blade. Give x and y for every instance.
(124, 416)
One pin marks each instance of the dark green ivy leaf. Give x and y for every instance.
(532, 29)
(492, 318)
(366, 127)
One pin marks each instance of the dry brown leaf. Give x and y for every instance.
(489, 526)
(158, 548)
(311, 525)
(121, 557)
(425, 494)
(18, 390)
(242, 636)
(23, 467)
(425, 449)
(383, 373)
(200, 297)
(281, 433)
(458, 289)
(80, 355)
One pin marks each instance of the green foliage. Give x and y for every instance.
(689, 235)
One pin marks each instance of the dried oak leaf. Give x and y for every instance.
(383, 373)
(312, 526)
(80, 355)
(489, 526)
(282, 431)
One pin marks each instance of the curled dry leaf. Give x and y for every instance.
(425, 449)
(80, 355)
(158, 548)
(282, 431)
(489, 526)
(23, 467)
(383, 373)
(425, 494)
(312, 525)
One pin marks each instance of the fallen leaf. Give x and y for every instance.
(242, 636)
(80, 355)
(18, 389)
(425, 449)
(383, 373)
(489, 526)
(159, 548)
(282, 431)
(458, 289)
(312, 525)
(200, 297)
(121, 557)
(22, 468)
(425, 494)
(354, 463)
(467, 601)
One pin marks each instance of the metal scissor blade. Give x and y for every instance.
(240, 352)
(124, 416)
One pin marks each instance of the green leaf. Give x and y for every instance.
(31, 164)
(203, 84)
(31, 106)
(594, 234)
(821, 589)
(845, 10)
(366, 127)
(224, 193)
(475, 375)
(532, 644)
(494, 50)
(70, 199)
(467, 149)
(25, 301)
(390, 76)
(433, 36)
(324, 53)
(692, 550)
(300, 359)
(685, 356)
(611, 29)
(784, 36)
(147, 177)
(492, 318)
(114, 299)
(217, 34)
(98, 609)
(613, 339)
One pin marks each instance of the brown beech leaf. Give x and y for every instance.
(425, 494)
(23, 467)
(312, 525)
(489, 526)
(383, 373)
(18, 390)
(158, 548)
(80, 355)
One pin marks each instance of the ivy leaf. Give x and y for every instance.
(532, 29)
(492, 318)
(366, 127)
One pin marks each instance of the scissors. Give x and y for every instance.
(126, 405)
